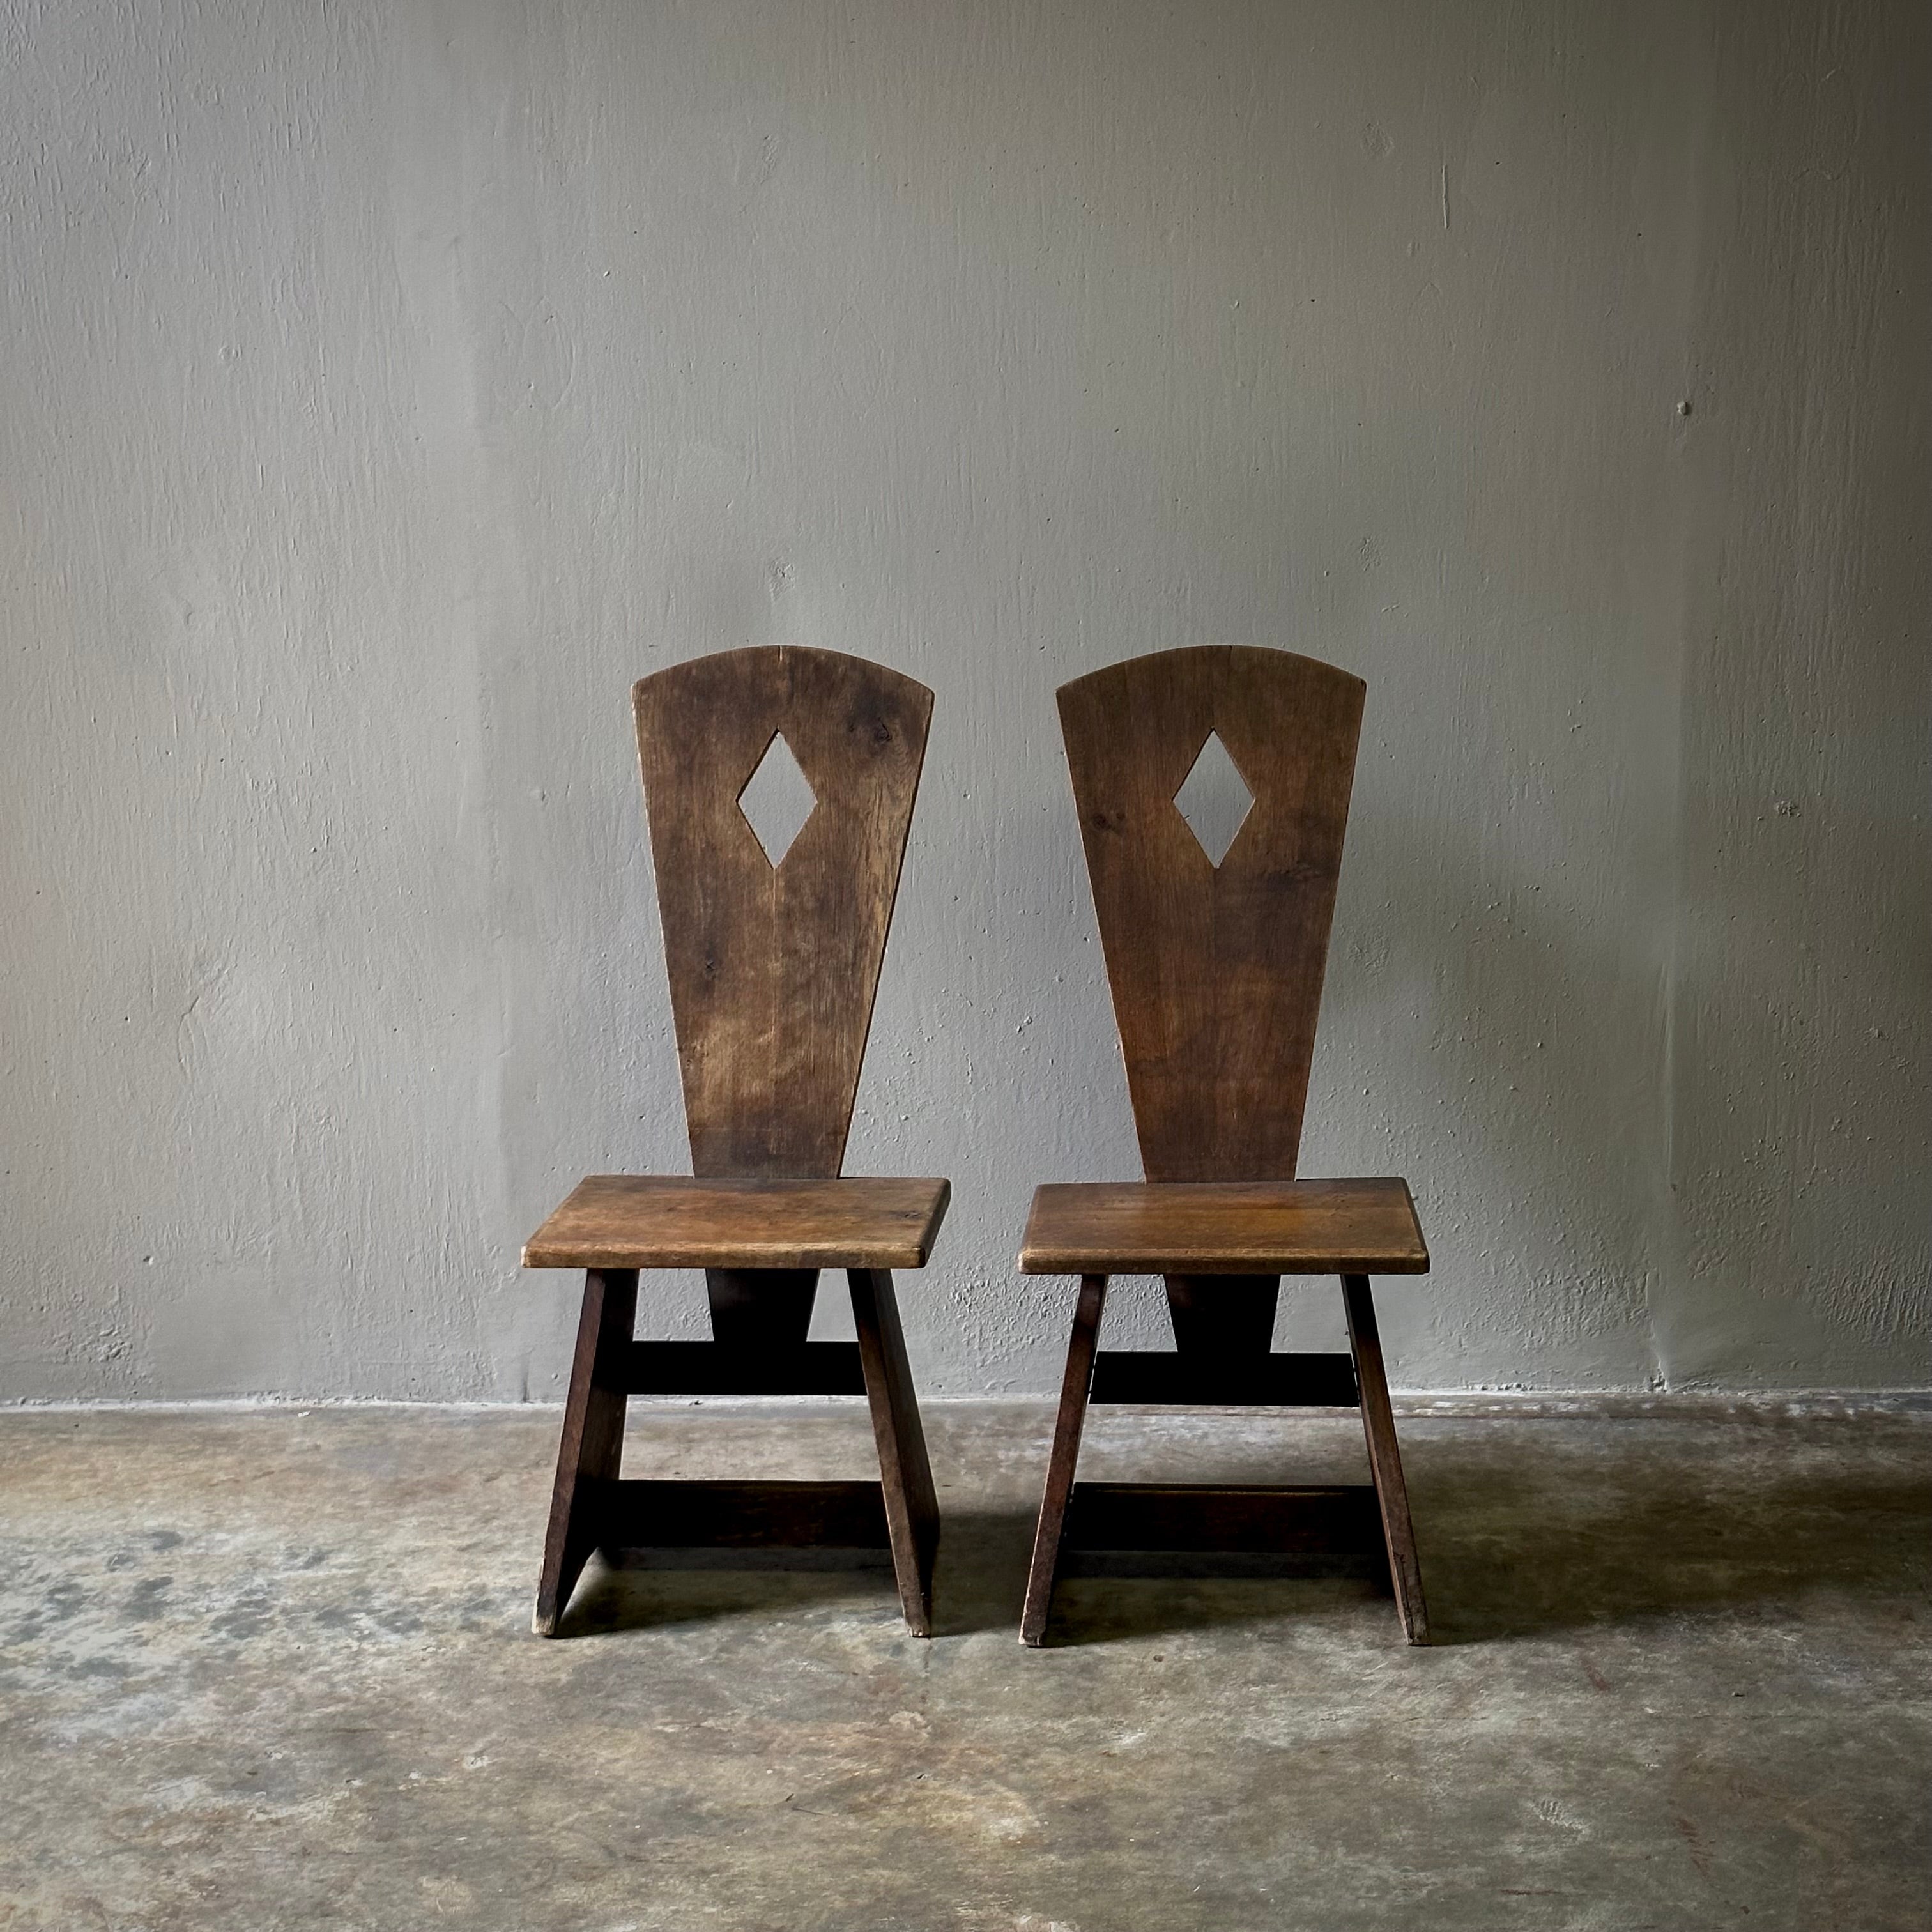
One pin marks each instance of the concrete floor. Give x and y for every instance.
(265, 1669)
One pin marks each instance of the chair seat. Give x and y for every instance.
(1246, 1227)
(673, 1221)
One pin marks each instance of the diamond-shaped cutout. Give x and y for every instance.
(1214, 799)
(777, 800)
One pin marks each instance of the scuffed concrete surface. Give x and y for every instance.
(264, 1669)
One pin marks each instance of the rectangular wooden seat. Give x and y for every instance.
(1231, 1228)
(673, 1221)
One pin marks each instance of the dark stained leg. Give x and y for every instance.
(593, 1436)
(759, 1309)
(1384, 1459)
(1073, 1392)
(1227, 1316)
(912, 1507)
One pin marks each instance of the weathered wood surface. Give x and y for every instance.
(1385, 1457)
(1217, 972)
(773, 970)
(912, 1504)
(1225, 1228)
(1064, 1459)
(672, 1221)
(592, 1443)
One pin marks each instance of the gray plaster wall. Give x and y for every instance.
(387, 386)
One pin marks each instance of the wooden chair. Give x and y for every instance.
(1217, 971)
(774, 950)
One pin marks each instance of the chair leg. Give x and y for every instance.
(1384, 1459)
(912, 1507)
(593, 1437)
(1073, 1393)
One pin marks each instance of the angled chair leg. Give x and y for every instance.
(1384, 1458)
(912, 1507)
(1074, 1389)
(593, 1437)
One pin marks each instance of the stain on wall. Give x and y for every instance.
(387, 387)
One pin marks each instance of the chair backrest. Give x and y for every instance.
(1216, 970)
(773, 966)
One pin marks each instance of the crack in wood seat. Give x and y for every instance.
(773, 949)
(673, 1221)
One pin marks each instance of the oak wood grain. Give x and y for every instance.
(773, 970)
(1216, 972)
(1225, 1228)
(1049, 1531)
(593, 1443)
(1391, 1486)
(675, 1221)
(905, 1476)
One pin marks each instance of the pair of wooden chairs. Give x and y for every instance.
(774, 941)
